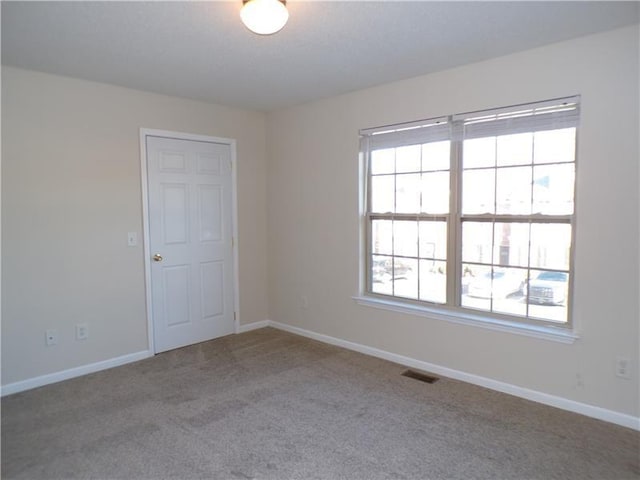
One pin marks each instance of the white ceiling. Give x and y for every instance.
(200, 50)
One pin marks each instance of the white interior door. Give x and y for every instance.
(190, 240)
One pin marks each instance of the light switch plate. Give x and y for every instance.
(132, 239)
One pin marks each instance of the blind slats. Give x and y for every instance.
(539, 106)
(413, 136)
(529, 123)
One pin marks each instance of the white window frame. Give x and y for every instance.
(403, 134)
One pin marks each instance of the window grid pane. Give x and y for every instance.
(522, 187)
(408, 258)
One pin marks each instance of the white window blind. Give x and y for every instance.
(414, 133)
(551, 115)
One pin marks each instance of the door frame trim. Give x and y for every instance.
(144, 176)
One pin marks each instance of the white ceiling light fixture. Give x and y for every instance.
(264, 17)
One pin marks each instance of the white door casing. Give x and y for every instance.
(189, 253)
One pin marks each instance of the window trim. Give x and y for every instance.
(453, 311)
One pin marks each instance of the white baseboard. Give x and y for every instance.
(72, 373)
(540, 397)
(247, 327)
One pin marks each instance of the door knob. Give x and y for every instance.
(157, 257)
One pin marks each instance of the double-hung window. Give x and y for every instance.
(475, 212)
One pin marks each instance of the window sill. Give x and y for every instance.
(561, 335)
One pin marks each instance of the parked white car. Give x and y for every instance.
(549, 287)
(502, 284)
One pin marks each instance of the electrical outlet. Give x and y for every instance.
(623, 366)
(305, 301)
(82, 331)
(51, 337)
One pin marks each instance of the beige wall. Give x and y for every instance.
(313, 218)
(71, 192)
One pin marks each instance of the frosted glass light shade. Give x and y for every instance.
(264, 17)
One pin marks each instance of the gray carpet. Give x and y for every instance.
(270, 405)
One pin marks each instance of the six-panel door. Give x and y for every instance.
(190, 241)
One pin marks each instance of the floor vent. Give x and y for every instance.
(423, 377)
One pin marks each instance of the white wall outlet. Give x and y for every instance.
(623, 367)
(132, 239)
(305, 301)
(82, 331)
(51, 337)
